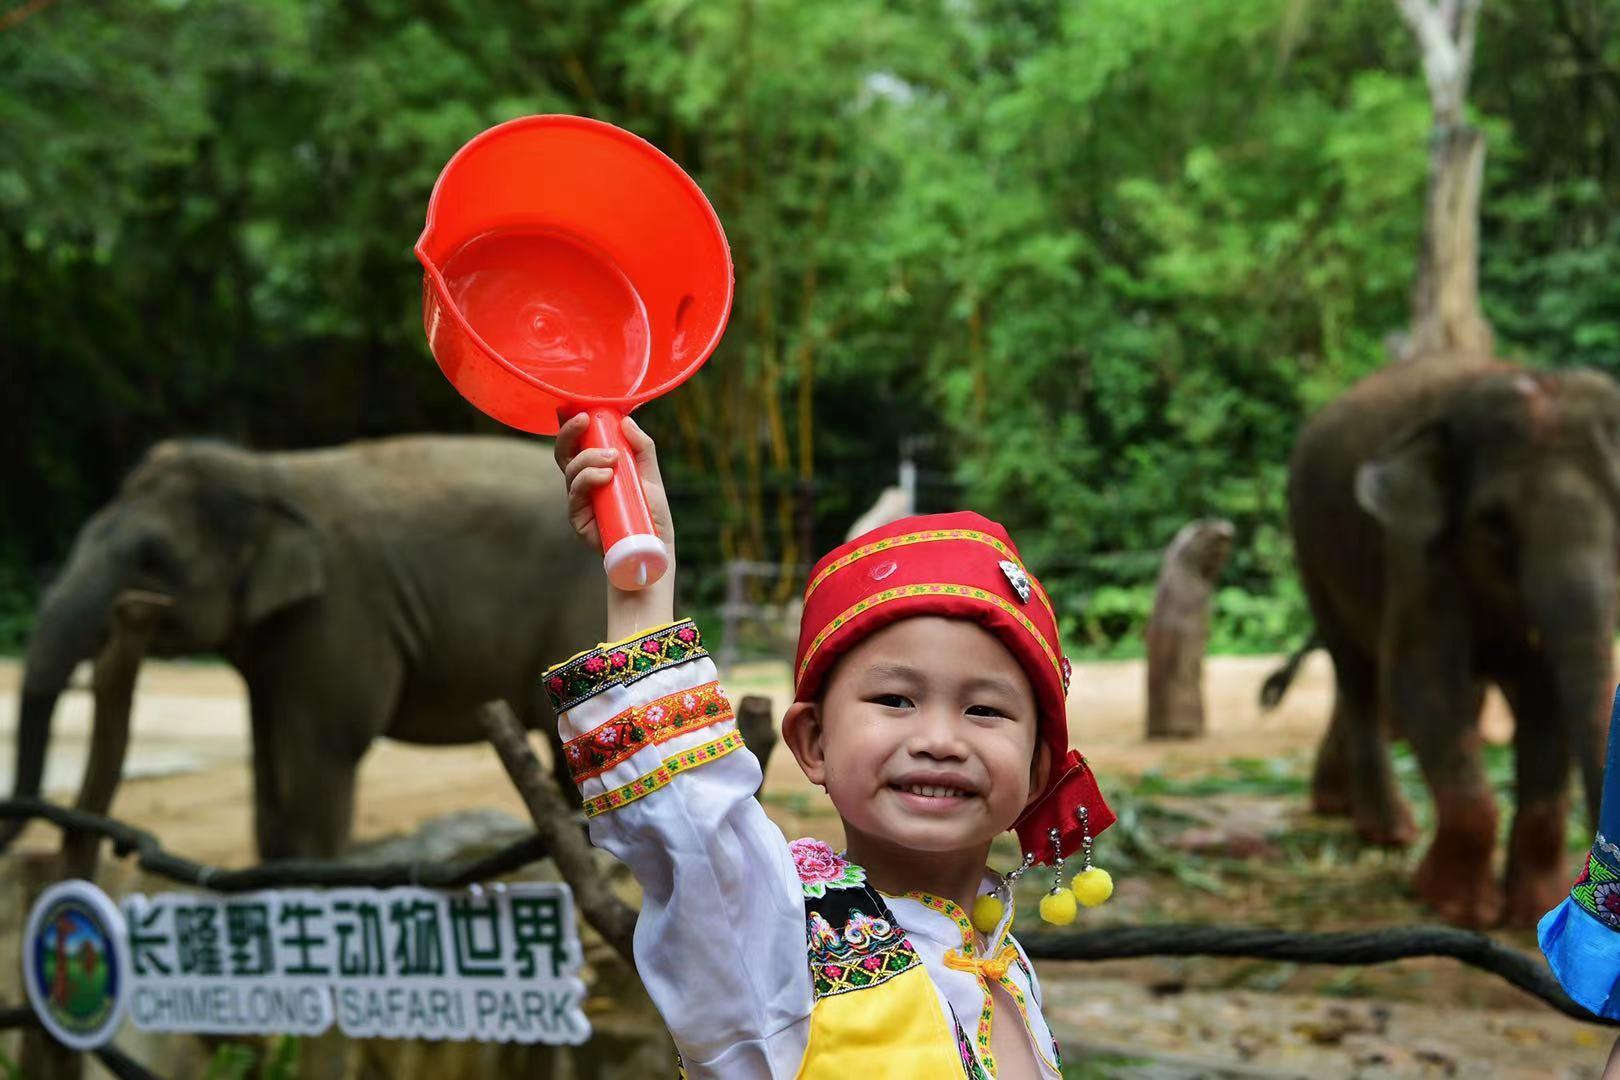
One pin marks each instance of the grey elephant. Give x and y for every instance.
(380, 588)
(1456, 526)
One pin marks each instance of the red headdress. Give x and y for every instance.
(961, 566)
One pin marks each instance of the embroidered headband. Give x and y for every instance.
(962, 566)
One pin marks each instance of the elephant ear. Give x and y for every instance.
(1404, 486)
(289, 566)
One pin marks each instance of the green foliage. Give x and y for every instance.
(231, 1061)
(1107, 253)
(1235, 776)
(1105, 1067)
(282, 1061)
(236, 1061)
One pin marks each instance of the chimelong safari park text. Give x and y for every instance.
(488, 965)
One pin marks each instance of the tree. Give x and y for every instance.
(1446, 316)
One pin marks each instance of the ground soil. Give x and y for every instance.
(1200, 847)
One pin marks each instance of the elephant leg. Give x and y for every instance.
(1536, 877)
(310, 813)
(304, 768)
(1441, 718)
(1330, 780)
(1356, 738)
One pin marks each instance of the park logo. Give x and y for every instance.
(76, 965)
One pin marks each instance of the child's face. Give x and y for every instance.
(924, 736)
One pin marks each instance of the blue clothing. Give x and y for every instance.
(1581, 936)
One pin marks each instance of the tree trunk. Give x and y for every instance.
(1178, 630)
(40, 1056)
(755, 719)
(1446, 316)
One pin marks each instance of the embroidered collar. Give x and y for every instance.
(960, 933)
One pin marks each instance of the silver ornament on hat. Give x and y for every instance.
(1018, 579)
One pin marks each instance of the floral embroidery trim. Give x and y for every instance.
(868, 951)
(953, 911)
(966, 592)
(986, 969)
(925, 537)
(1608, 846)
(1055, 1062)
(948, 908)
(622, 663)
(1597, 891)
(970, 1063)
(600, 749)
(820, 868)
(671, 768)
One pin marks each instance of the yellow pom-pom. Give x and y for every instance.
(1092, 887)
(987, 911)
(1058, 907)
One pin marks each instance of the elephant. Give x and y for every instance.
(1455, 526)
(383, 588)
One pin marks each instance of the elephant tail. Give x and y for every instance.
(1278, 682)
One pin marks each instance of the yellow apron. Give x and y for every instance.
(876, 1014)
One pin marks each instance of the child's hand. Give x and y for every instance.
(584, 471)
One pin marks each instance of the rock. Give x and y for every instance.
(464, 834)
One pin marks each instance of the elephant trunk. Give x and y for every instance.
(1575, 623)
(1585, 682)
(69, 628)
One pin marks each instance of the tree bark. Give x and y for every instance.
(554, 821)
(755, 719)
(1446, 316)
(41, 1057)
(1178, 630)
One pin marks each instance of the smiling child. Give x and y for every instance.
(929, 693)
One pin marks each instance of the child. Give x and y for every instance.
(929, 705)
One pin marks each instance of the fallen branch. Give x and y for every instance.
(1352, 947)
(150, 857)
(553, 822)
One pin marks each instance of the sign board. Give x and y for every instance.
(494, 965)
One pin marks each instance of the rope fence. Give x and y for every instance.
(1114, 943)
(290, 873)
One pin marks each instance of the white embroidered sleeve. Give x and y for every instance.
(669, 790)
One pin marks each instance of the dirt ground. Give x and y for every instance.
(1212, 831)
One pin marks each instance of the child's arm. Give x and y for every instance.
(669, 790)
(584, 472)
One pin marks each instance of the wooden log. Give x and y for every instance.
(555, 821)
(41, 1056)
(755, 719)
(1178, 630)
(116, 667)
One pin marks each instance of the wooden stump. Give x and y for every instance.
(134, 615)
(42, 1057)
(1178, 630)
(754, 720)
